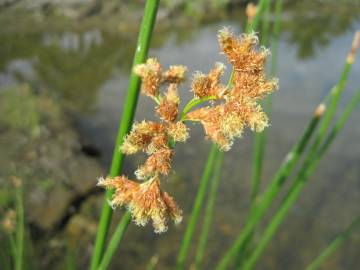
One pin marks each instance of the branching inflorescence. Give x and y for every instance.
(233, 107)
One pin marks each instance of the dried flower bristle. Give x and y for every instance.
(141, 136)
(145, 201)
(178, 131)
(157, 163)
(209, 85)
(168, 108)
(175, 74)
(224, 122)
(151, 74)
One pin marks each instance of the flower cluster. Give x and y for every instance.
(235, 108)
(240, 108)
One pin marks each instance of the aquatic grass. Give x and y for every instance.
(285, 168)
(195, 211)
(334, 245)
(208, 215)
(130, 103)
(116, 238)
(303, 175)
(20, 224)
(291, 160)
(260, 138)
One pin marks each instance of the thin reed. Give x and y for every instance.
(130, 102)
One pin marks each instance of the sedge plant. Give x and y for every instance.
(130, 102)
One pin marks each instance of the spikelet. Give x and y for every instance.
(211, 119)
(140, 136)
(157, 163)
(124, 189)
(175, 74)
(151, 74)
(178, 131)
(145, 201)
(209, 85)
(168, 108)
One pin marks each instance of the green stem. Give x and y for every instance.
(114, 242)
(194, 102)
(253, 25)
(20, 228)
(259, 139)
(284, 172)
(209, 211)
(142, 48)
(305, 171)
(195, 212)
(334, 245)
(275, 185)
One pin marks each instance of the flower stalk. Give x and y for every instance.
(142, 48)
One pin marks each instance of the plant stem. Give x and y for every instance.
(305, 171)
(209, 211)
(114, 242)
(334, 245)
(195, 212)
(20, 227)
(142, 48)
(259, 138)
(252, 26)
(290, 161)
(275, 185)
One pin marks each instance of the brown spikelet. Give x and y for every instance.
(145, 201)
(168, 108)
(178, 131)
(150, 202)
(151, 74)
(157, 163)
(140, 136)
(158, 142)
(250, 11)
(209, 85)
(241, 51)
(175, 74)
(124, 189)
(211, 118)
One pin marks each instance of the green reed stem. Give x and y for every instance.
(275, 185)
(195, 212)
(114, 241)
(253, 25)
(152, 263)
(20, 228)
(276, 37)
(334, 245)
(285, 169)
(259, 138)
(209, 211)
(305, 171)
(130, 103)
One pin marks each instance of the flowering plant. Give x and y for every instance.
(232, 108)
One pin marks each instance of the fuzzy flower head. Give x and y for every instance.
(145, 201)
(151, 74)
(175, 74)
(168, 108)
(209, 85)
(226, 121)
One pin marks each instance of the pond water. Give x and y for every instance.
(85, 70)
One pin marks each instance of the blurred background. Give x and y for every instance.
(64, 68)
